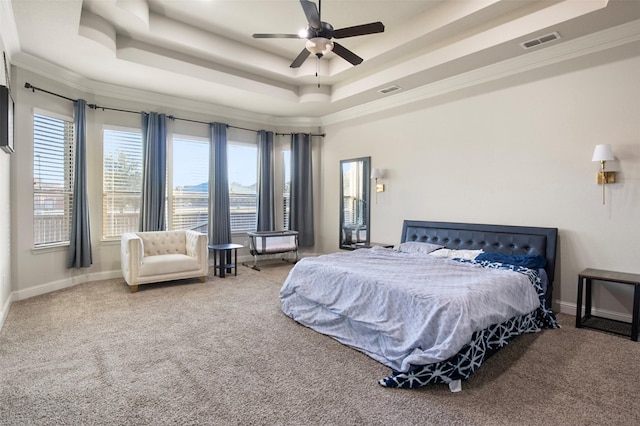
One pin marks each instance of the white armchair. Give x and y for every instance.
(150, 257)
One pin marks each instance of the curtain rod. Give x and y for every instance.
(33, 89)
(92, 106)
(322, 135)
(170, 117)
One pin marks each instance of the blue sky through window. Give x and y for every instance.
(243, 164)
(191, 159)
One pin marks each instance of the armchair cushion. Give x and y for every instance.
(167, 264)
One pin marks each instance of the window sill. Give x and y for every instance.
(49, 248)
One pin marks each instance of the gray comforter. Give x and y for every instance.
(402, 309)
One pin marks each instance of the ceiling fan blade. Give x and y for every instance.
(276, 36)
(299, 60)
(346, 54)
(358, 30)
(311, 12)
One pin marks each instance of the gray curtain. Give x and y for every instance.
(154, 171)
(264, 191)
(219, 227)
(80, 255)
(301, 213)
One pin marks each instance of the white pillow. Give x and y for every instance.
(456, 254)
(418, 247)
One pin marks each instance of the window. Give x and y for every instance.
(189, 191)
(53, 175)
(121, 181)
(242, 168)
(286, 188)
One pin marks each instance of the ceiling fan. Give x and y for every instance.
(319, 36)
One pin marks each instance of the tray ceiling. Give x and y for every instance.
(203, 50)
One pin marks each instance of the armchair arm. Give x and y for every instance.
(131, 255)
(196, 245)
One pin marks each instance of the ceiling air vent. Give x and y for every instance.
(389, 89)
(540, 40)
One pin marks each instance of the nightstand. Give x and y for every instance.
(606, 324)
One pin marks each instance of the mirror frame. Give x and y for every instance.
(366, 193)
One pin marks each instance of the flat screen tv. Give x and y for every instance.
(6, 119)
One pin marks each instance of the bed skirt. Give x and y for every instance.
(483, 344)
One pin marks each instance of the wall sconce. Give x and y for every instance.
(377, 174)
(603, 153)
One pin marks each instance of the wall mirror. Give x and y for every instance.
(354, 202)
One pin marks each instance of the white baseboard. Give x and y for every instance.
(52, 286)
(105, 275)
(64, 283)
(70, 282)
(570, 308)
(4, 309)
(564, 307)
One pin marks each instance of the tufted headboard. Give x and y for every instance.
(498, 238)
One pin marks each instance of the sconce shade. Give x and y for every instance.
(376, 174)
(602, 153)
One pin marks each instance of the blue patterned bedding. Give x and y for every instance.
(462, 365)
(431, 320)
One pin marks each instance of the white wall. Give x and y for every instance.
(517, 151)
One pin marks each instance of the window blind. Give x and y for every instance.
(243, 176)
(190, 190)
(122, 181)
(53, 178)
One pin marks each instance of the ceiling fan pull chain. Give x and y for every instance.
(317, 78)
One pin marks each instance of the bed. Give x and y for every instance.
(436, 307)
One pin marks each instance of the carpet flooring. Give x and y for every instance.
(222, 353)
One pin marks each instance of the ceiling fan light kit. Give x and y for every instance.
(319, 46)
(319, 36)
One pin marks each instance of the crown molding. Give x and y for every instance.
(97, 89)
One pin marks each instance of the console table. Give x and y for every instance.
(585, 279)
(222, 258)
